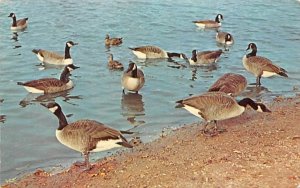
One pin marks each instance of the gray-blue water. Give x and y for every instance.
(28, 129)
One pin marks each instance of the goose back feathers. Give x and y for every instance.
(230, 83)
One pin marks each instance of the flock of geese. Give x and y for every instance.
(218, 103)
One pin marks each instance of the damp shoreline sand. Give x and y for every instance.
(258, 150)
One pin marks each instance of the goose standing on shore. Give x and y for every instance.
(210, 23)
(18, 24)
(54, 58)
(51, 85)
(260, 66)
(112, 41)
(133, 79)
(86, 136)
(154, 52)
(205, 57)
(230, 83)
(215, 106)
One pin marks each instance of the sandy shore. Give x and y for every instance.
(258, 150)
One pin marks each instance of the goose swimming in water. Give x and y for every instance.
(51, 85)
(18, 24)
(54, 58)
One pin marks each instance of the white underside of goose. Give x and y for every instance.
(139, 55)
(132, 84)
(268, 74)
(193, 111)
(18, 27)
(200, 25)
(33, 90)
(100, 146)
(106, 145)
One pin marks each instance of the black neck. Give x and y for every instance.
(253, 53)
(173, 54)
(67, 52)
(14, 24)
(62, 119)
(247, 101)
(64, 77)
(194, 57)
(217, 19)
(134, 73)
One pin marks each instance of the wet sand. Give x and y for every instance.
(258, 150)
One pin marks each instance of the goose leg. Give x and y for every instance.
(84, 163)
(258, 81)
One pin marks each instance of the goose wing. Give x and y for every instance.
(50, 55)
(230, 83)
(93, 129)
(22, 21)
(147, 49)
(264, 64)
(205, 21)
(209, 54)
(43, 83)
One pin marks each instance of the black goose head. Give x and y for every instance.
(131, 67)
(71, 43)
(219, 17)
(253, 47)
(71, 67)
(259, 107)
(12, 15)
(53, 107)
(194, 55)
(228, 38)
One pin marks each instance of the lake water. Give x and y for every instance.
(28, 129)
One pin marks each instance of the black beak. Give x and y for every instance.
(44, 104)
(75, 67)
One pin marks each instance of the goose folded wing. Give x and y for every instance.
(43, 83)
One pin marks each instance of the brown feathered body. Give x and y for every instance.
(205, 57)
(230, 83)
(113, 41)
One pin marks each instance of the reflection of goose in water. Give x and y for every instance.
(2, 117)
(252, 91)
(132, 106)
(50, 97)
(204, 69)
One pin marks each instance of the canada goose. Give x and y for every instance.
(86, 135)
(260, 66)
(18, 24)
(133, 78)
(51, 85)
(224, 38)
(154, 52)
(55, 58)
(230, 83)
(205, 57)
(112, 64)
(215, 106)
(210, 23)
(112, 41)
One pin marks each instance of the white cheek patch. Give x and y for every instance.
(70, 69)
(53, 109)
(69, 44)
(259, 109)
